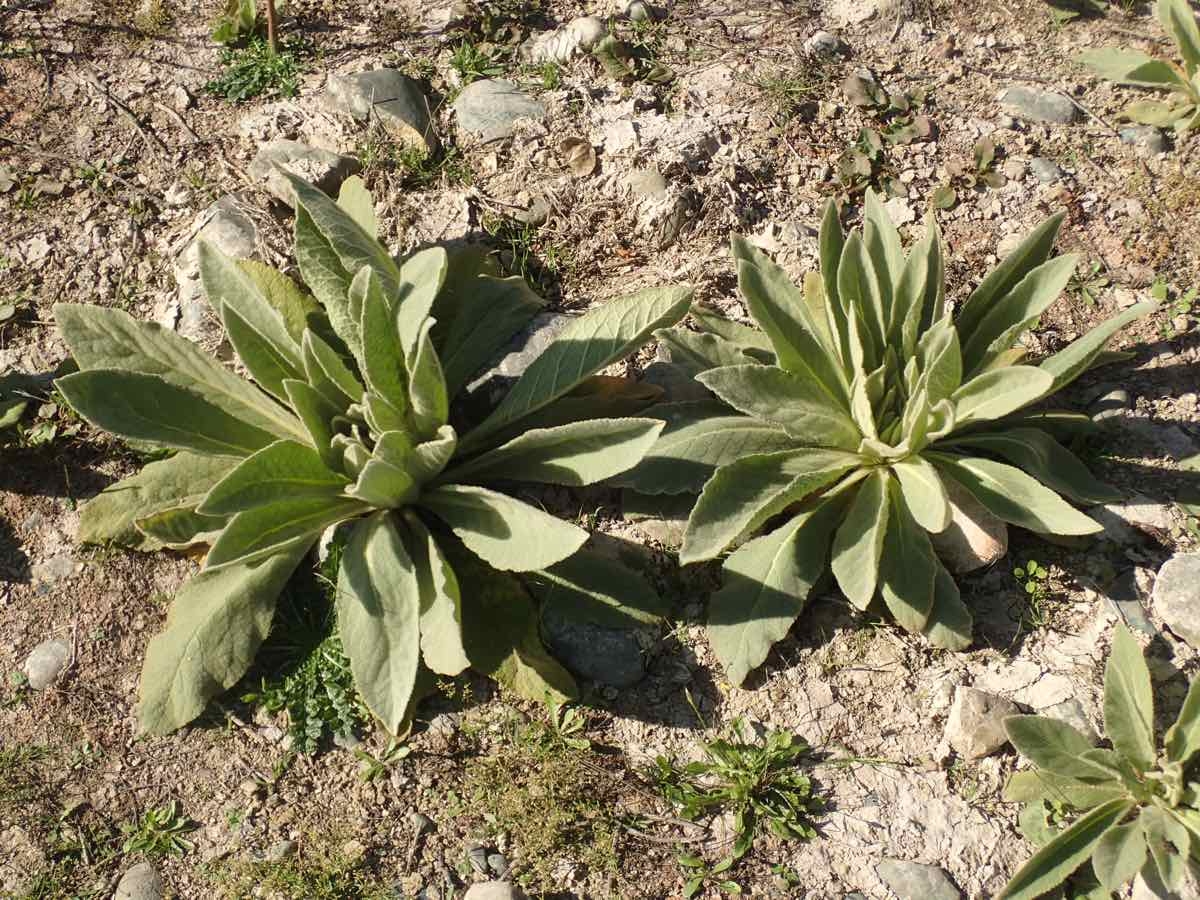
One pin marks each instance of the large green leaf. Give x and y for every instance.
(179, 527)
(500, 633)
(1073, 360)
(1054, 746)
(328, 373)
(576, 454)
(831, 241)
(285, 470)
(859, 290)
(1180, 22)
(383, 485)
(268, 366)
(215, 626)
(590, 343)
(779, 309)
(590, 586)
(1182, 739)
(382, 352)
(504, 532)
(940, 359)
(1169, 842)
(772, 395)
(742, 495)
(355, 199)
(428, 397)
(264, 530)
(180, 480)
(1043, 457)
(441, 602)
(317, 414)
(1012, 312)
(1133, 67)
(908, 567)
(328, 279)
(1119, 855)
(923, 492)
(1129, 701)
(477, 314)
(298, 309)
(421, 278)
(112, 339)
(699, 438)
(744, 336)
(1030, 253)
(766, 583)
(1013, 496)
(149, 408)
(858, 544)
(379, 617)
(694, 352)
(949, 623)
(1050, 866)
(998, 393)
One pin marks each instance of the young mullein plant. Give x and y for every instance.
(348, 419)
(1182, 107)
(852, 420)
(1133, 808)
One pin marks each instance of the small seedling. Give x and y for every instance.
(864, 165)
(699, 873)
(473, 62)
(1064, 11)
(372, 768)
(1034, 581)
(159, 832)
(1088, 285)
(965, 176)
(568, 723)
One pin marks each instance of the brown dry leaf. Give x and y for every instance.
(579, 156)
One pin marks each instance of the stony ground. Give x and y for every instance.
(114, 156)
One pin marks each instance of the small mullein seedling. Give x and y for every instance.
(159, 832)
(861, 420)
(1181, 109)
(1133, 808)
(348, 420)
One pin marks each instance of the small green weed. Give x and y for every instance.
(159, 832)
(1088, 285)
(255, 70)
(472, 62)
(701, 874)
(965, 175)
(372, 768)
(525, 252)
(416, 167)
(761, 783)
(1034, 581)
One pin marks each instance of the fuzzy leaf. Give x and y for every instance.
(1054, 746)
(506, 533)
(766, 583)
(699, 438)
(1119, 855)
(328, 279)
(441, 602)
(284, 470)
(577, 454)
(149, 408)
(998, 393)
(379, 613)
(296, 307)
(1180, 22)
(1133, 67)
(949, 623)
(382, 352)
(1182, 739)
(858, 545)
(421, 279)
(1073, 360)
(590, 343)
(591, 587)
(265, 530)
(1129, 701)
(355, 200)
(923, 492)
(1050, 866)
(1013, 496)
(695, 351)
(772, 395)
(908, 566)
(180, 480)
(214, 628)
(179, 527)
(742, 495)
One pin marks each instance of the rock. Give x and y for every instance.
(850, 12)
(975, 538)
(56, 568)
(1122, 520)
(611, 656)
(323, 168)
(477, 856)
(917, 881)
(823, 43)
(1176, 596)
(420, 822)
(1147, 139)
(641, 11)
(528, 344)
(975, 726)
(498, 864)
(661, 210)
(560, 45)
(353, 850)
(646, 182)
(1040, 106)
(1111, 405)
(1045, 170)
(1071, 711)
(141, 882)
(494, 890)
(46, 662)
(490, 108)
(281, 850)
(1148, 886)
(388, 97)
(1124, 597)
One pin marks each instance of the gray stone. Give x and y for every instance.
(1111, 405)
(477, 856)
(1148, 140)
(521, 351)
(1123, 520)
(647, 183)
(975, 726)
(611, 656)
(420, 822)
(1040, 106)
(1176, 596)
(1072, 712)
(281, 850)
(1124, 598)
(490, 108)
(56, 568)
(823, 43)
(498, 864)
(1045, 170)
(141, 882)
(641, 11)
(494, 890)
(323, 168)
(975, 538)
(388, 97)
(917, 881)
(46, 662)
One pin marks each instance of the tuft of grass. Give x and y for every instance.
(473, 62)
(526, 252)
(255, 70)
(545, 789)
(159, 832)
(321, 874)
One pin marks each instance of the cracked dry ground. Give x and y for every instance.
(113, 157)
